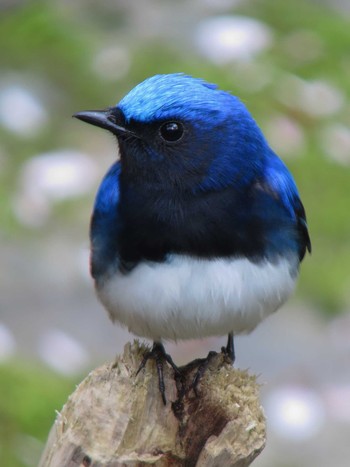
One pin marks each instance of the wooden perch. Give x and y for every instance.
(115, 418)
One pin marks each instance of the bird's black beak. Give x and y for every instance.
(103, 118)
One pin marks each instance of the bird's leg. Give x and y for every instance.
(229, 350)
(158, 354)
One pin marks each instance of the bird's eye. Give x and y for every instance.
(171, 131)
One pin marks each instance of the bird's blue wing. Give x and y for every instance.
(105, 224)
(279, 184)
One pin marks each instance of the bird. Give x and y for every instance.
(198, 228)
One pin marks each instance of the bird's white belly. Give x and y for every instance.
(187, 297)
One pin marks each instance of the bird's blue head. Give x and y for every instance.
(178, 130)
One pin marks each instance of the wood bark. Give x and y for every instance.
(115, 418)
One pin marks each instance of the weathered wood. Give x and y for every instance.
(115, 418)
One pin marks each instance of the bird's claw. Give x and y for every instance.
(202, 366)
(229, 355)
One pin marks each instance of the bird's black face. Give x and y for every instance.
(112, 119)
(167, 151)
(158, 151)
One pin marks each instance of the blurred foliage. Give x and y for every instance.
(29, 398)
(52, 46)
(56, 44)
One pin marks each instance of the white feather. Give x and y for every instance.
(188, 297)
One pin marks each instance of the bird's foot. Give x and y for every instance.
(158, 354)
(198, 367)
(203, 363)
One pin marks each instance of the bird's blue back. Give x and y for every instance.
(219, 192)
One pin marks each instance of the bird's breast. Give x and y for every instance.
(206, 225)
(186, 297)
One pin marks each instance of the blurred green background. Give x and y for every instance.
(288, 61)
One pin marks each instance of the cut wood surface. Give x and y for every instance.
(115, 418)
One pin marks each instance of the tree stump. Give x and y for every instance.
(115, 418)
